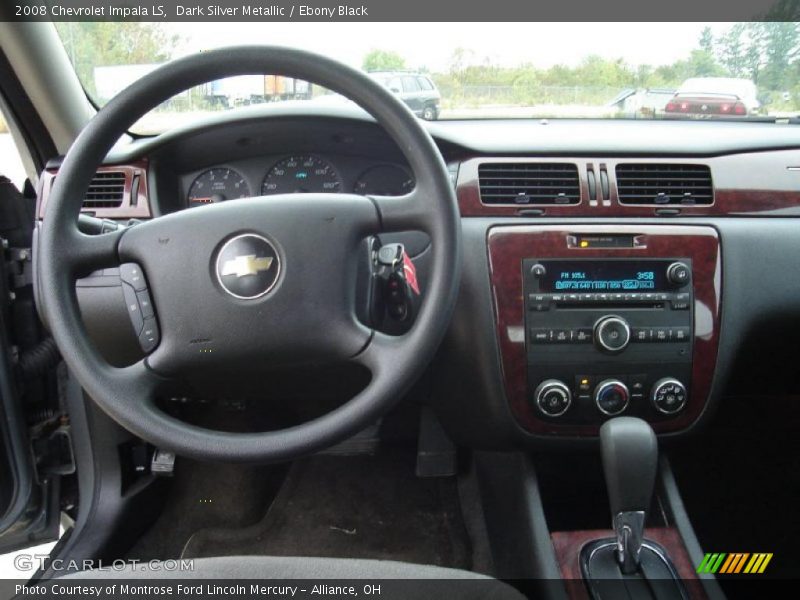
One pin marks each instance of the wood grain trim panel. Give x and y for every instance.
(568, 544)
(508, 245)
(727, 201)
(131, 208)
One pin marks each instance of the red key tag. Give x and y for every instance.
(410, 273)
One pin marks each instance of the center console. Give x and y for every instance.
(600, 321)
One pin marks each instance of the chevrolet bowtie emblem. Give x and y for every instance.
(246, 265)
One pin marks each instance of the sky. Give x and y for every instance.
(431, 44)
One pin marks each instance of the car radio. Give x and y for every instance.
(608, 336)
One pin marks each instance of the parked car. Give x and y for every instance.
(646, 103)
(715, 96)
(416, 90)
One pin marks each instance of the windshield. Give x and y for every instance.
(515, 70)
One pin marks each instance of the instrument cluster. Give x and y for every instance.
(296, 174)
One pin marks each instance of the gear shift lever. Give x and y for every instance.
(630, 457)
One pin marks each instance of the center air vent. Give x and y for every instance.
(107, 190)
(529, 183)
(662, 184)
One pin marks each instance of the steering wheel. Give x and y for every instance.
(294, 299)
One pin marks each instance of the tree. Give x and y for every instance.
(780, 51)
(383, 60)
(706, 40)
(91, 44)
(731, 51)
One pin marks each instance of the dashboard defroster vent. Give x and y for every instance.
(664, 184)
(107, 190)
(529, 183)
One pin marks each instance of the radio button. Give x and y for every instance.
(661, 334)
(561, 336)
(582, 335)
(612, 334)
(541, 336)
(681, 334)
(680, 301)
(679, 273)
(641, 334)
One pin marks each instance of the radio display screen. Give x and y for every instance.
(604, 276)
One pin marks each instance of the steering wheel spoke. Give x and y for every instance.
(92, 252)
(403, 213)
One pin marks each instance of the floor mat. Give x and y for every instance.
(352, 507)
(204, 495)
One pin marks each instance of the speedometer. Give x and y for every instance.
(301, 175)
(216, 185)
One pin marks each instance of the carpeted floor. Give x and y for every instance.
(365, 506)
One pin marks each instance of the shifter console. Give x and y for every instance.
(607, 337)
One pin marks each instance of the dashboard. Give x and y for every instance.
(570, 309)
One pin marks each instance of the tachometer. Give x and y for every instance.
(384, 180)
(302, 175)
(216, 185)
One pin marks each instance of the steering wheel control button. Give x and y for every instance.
(679, 273)
(611, 397)
(669, 396)
(150, 335)
(612, 334)
(131, 273)
(553, 398)
(145, 304)
(132, 306)
(247, 266)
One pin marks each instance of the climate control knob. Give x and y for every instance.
(611, 397)
(553, 397)
(669, 396)
(612, 334)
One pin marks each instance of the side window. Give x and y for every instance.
(410, 84)
(425, 83)
(394, 84)
(10, 159)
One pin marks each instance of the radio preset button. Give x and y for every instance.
(681, 334)
(540, 336)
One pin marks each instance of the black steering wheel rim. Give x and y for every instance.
(127, 394)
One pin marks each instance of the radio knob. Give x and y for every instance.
(612, 334)
(669, 396)
(679, 273)
(553, 397)
(611, 397)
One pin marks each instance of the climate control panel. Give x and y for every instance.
(608, 337)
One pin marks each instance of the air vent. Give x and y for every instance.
(107, 190)
(529, 183)
(664, 184)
